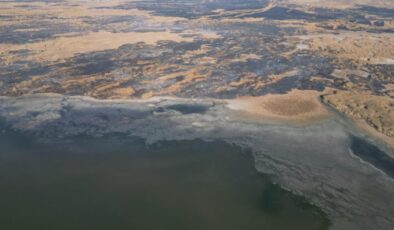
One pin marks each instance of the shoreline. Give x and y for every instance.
(253, 109)
(375, 135)
(361, 127)
(311, 160)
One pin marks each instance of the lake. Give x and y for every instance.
(119, 182)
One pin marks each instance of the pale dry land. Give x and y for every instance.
(74, 13)
(296, 106)
(287, 56)
(367, 110)
(365, 48)
(64, 47)
(339, 39)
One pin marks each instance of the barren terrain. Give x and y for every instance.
(276, 76)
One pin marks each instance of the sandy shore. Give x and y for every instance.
(297, 106)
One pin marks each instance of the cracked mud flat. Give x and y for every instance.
(313, 160)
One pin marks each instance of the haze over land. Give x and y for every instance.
(250, 72)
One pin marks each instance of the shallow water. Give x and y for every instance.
(118, 182)
(373, 155)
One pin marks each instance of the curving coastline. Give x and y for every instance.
(311, 160)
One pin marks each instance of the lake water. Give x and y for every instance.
(117, 182)
(373, 155)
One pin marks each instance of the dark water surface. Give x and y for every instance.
(373, 155)
(120, 183)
